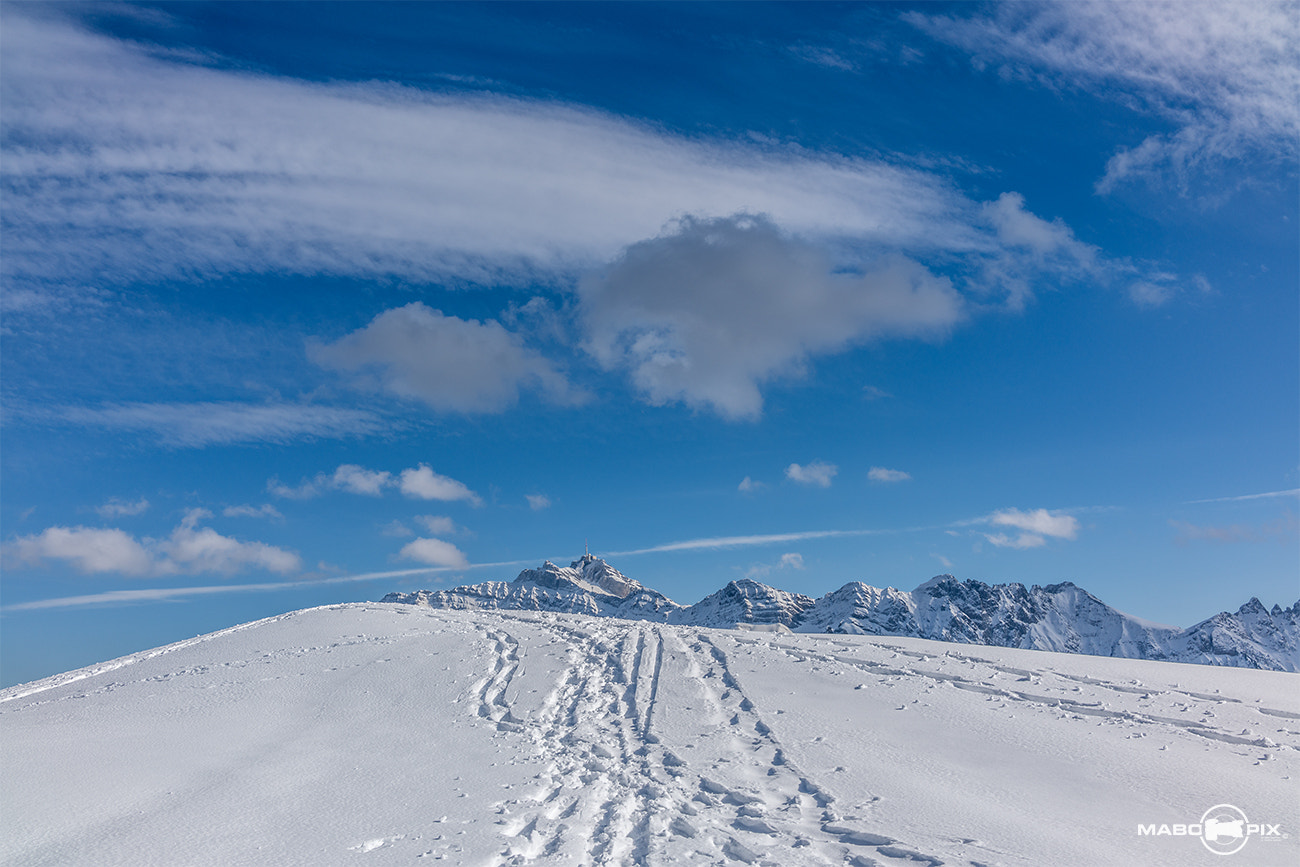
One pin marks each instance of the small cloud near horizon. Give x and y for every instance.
(434, 552)
(1035, 526)
(247, 511)
(880, 474)
(818, 473)
(117, 508)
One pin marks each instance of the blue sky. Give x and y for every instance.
(308, 303)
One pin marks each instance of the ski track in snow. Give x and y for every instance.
(650, 749)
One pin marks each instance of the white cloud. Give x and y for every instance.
(120, 174)
(190, 549)
(1036, 526)
(448, 363)
(304, 491)
(1224, 74)
(116, 508)
(397, 528)
(196, 425)
(115, 176)
(880, 474)
(1040, 521)
(437, 524)
(748, 485)
(87, 549)
(1029, 247)
(787, 561)
(817, 473)
(422, 483)
(1024, 540)
(434, 552)
(1155, 289)
(708, 312)
(263, 511)
(537, 502)
(871, 392)
(359, 480)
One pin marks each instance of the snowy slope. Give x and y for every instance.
(389, 733)
(1059, 617)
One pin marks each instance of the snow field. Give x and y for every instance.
(378, 734)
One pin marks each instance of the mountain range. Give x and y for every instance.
(1057, 617)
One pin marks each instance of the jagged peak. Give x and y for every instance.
(936, 581)
(1060, 616)
(1253, 605)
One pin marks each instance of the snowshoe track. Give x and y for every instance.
(613, 793)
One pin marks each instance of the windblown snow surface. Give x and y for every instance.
(389, 733)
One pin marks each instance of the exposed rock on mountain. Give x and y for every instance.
(746, 601)
(1057, 617)
(586, 586)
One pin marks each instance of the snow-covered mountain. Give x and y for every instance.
(1058, 617)
(1252, 637)
(587, 586)
(746, 601)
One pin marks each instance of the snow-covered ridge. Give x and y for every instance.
(1058, 617)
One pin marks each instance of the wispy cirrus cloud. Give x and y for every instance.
(721, 542)
(266, 510)
(117, 508)
(108, 162)
(110, 171)
(1284, 528)
(198, 425)
(1267, 495)
(163, 594)
(111, 176)
(1225, 74)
